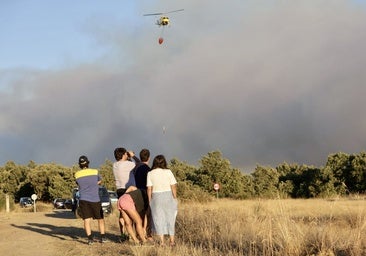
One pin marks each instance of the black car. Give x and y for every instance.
(68, 204)
(113, 196)
(59, 203)
(25, 202)
(75, 201)
(105, 200)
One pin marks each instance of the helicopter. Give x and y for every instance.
(163, 20)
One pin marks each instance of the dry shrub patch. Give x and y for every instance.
(274, 227)
(259, 227)
(248, 227)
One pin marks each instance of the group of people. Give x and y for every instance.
(147, 197)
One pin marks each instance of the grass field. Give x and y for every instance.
(274, 227)
(269, 227)
(259, 227)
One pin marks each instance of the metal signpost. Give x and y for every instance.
(34, 198)
(7, 203)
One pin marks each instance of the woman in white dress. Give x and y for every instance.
(162, 194)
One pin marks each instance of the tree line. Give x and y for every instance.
(342, 174)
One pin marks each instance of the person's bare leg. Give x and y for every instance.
(148, 225)
(129, 226)
(161, 238)
(121, 224)
(145, 224)
(172, 240)
(135, 216)
(87, 226)
(101, 225)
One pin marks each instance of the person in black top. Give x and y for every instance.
(140, 171)
(142, 168)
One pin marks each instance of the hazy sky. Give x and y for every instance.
(262, 81)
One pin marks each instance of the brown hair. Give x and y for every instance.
(144, 155)
(118, 153)
(159, 162)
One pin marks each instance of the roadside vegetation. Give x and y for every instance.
(227, 227)
(274, 227)
(285, 210)
(343, 174)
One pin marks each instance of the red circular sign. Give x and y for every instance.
(216, 186)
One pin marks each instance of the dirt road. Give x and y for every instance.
(54, 233)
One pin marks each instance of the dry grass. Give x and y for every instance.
(274, 227)
(40, 207)
(255, 227)
(264, 227)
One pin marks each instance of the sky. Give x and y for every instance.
(263, 82)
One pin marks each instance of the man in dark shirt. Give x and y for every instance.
(142, 169)
(140, 172)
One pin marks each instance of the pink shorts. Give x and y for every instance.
(125, 202)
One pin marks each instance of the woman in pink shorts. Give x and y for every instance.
(127, 204)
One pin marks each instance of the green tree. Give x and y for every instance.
(42, 177)
(12, 177)
(265, 181)
(215, 169)
(106, 173)
(61, 182)
(322, 183)
(340, 165)
(186, 189)
(356, 177)
(181, 170)
(289, 176)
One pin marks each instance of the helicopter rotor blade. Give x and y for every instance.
(175, 11)
(161, 13)
(153, 14)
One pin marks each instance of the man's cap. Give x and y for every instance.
(83, 160)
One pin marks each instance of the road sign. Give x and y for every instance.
(34, 198)
(216, 186)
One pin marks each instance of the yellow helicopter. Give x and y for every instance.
(163, 20)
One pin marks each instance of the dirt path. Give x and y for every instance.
(53, 233)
